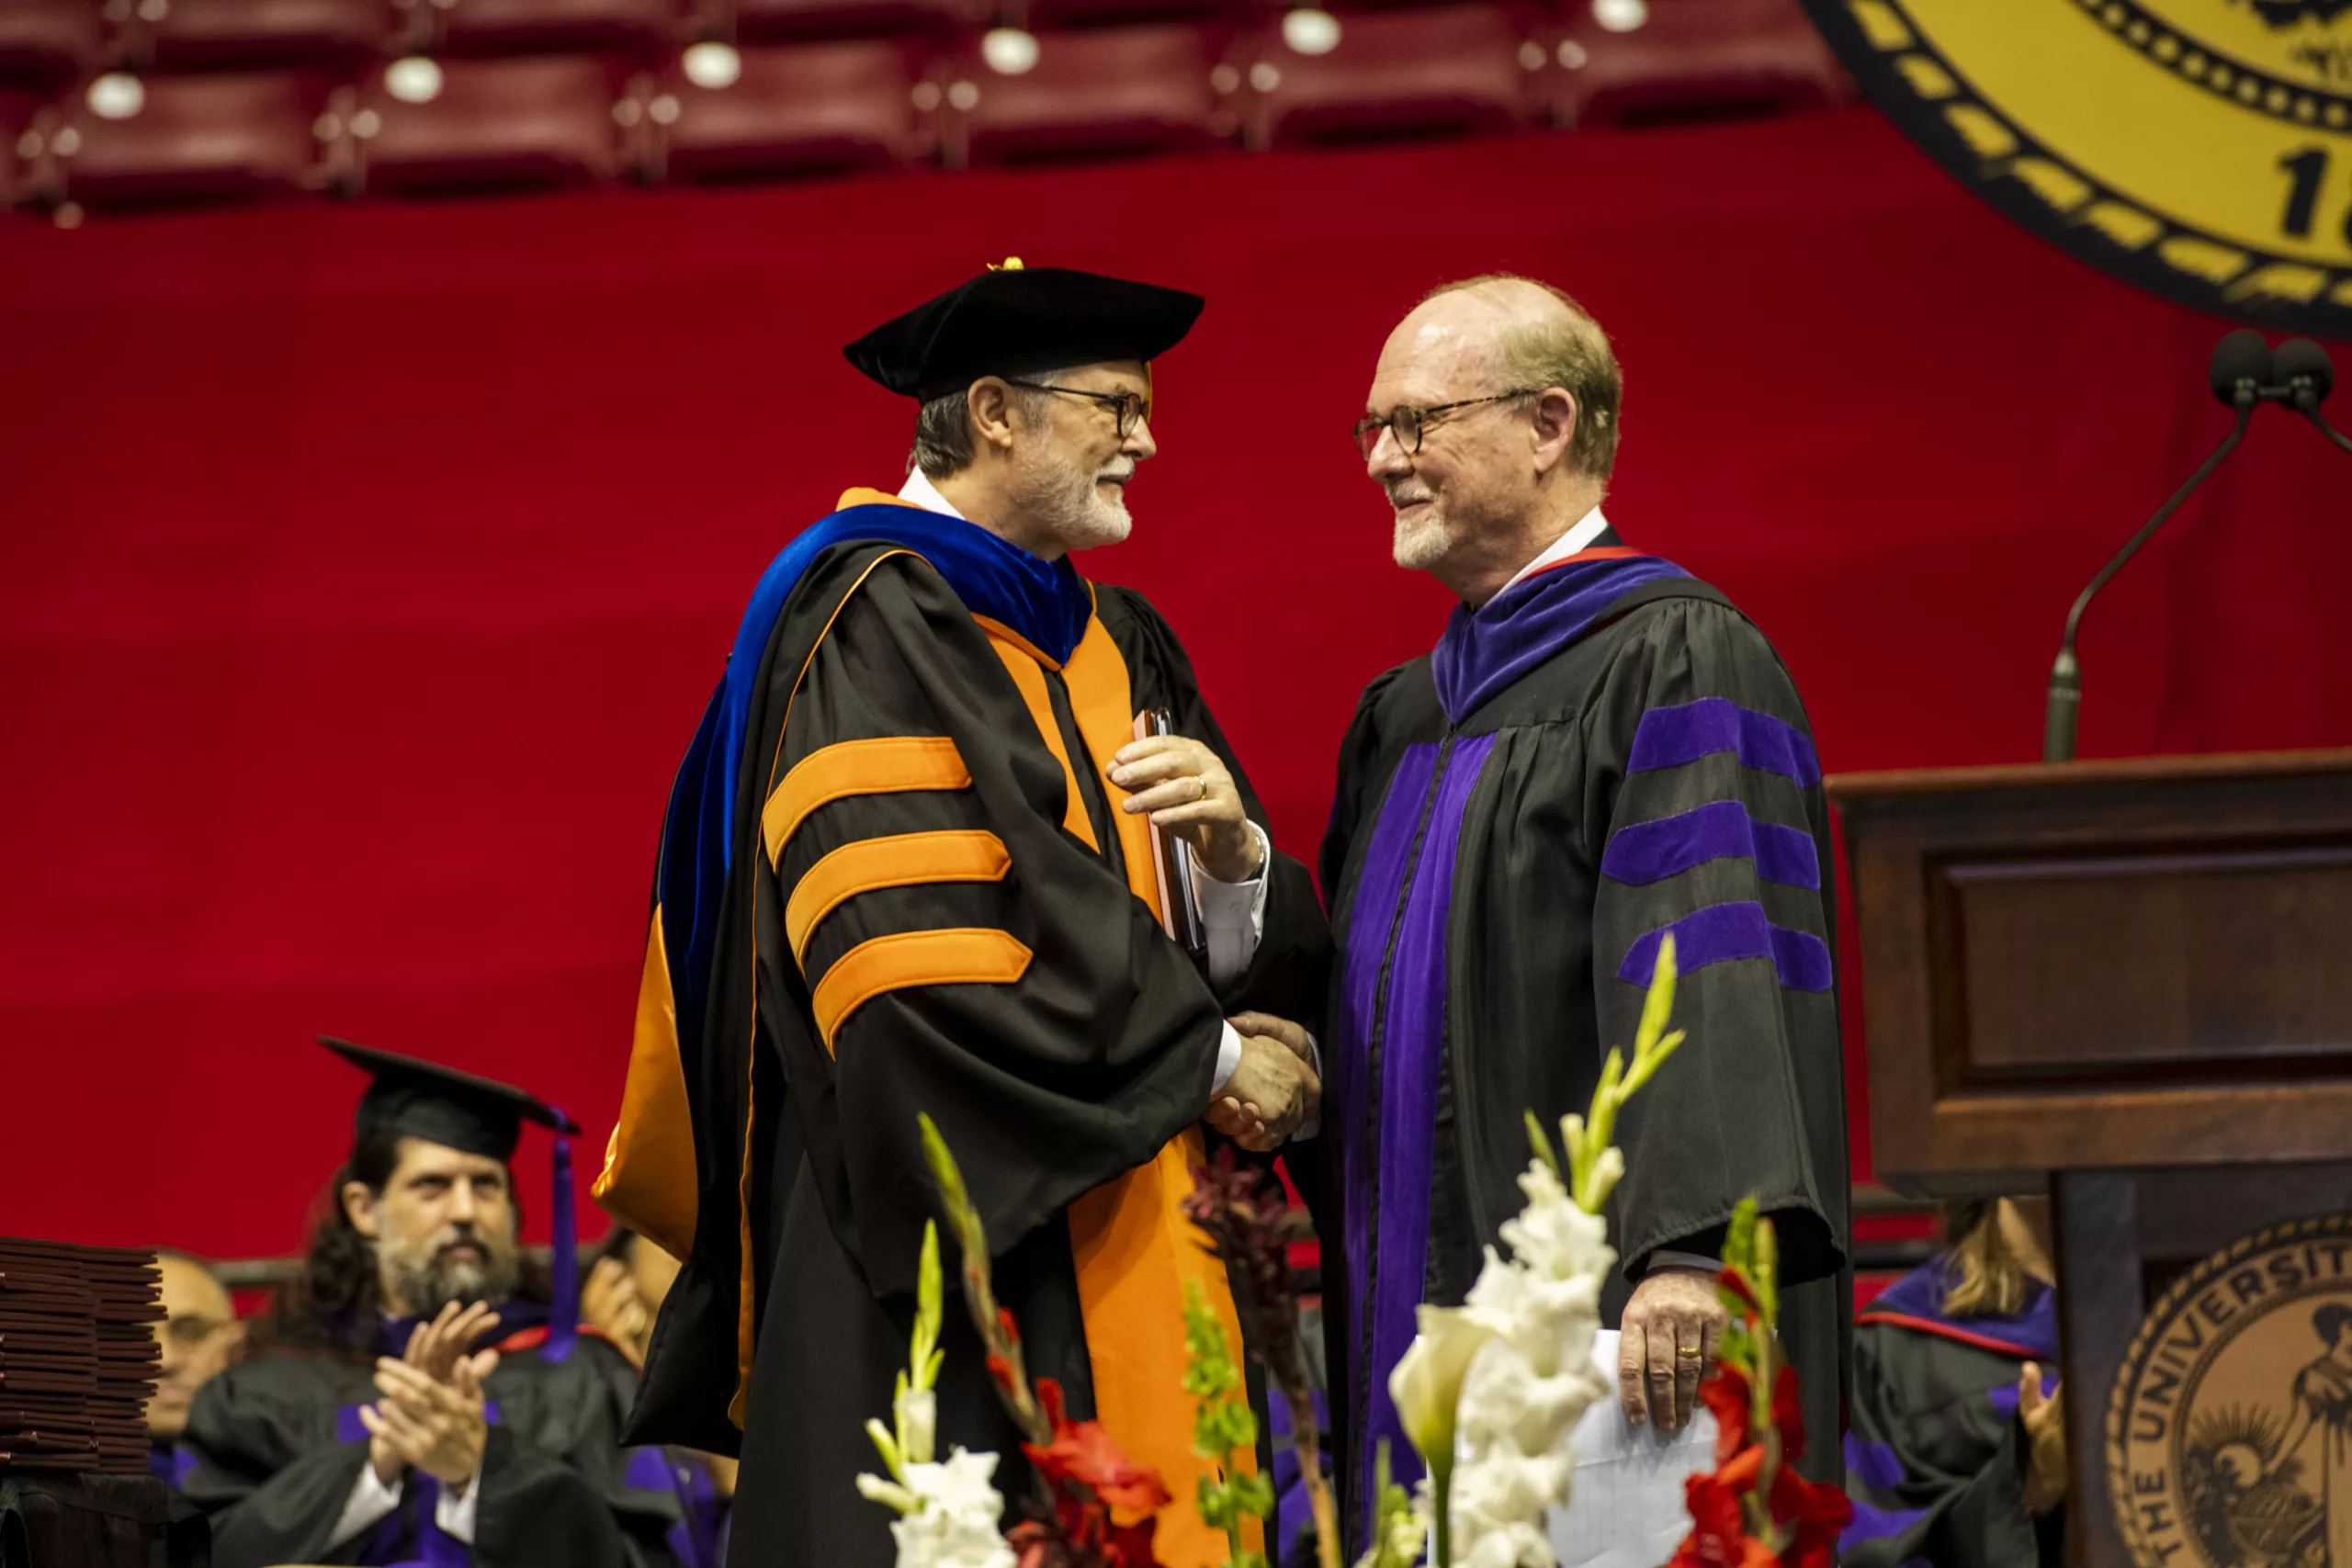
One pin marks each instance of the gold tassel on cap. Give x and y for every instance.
(1009, 264)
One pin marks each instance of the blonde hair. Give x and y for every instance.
(1987, 1279)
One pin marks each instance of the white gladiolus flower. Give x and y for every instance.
(954, 1520)
(1525, 1392)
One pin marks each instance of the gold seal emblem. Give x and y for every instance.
(2202, 149)
(2229, 1431)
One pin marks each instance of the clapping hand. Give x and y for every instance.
(2044, 1419)
(438, 1428)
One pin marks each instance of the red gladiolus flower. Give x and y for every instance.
(1736, 1283)
(1106, 1506)
(1725, 1393)
(1816, 1514)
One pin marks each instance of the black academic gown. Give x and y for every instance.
(948, 919)
(274, 1448)
(1935, 1461)
(1606, 750)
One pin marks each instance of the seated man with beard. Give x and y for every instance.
(417, 1397)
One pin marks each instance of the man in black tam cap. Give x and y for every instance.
(419, 1398)
(924, 856)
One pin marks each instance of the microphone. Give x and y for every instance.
(2305, 378)
(2240, 374)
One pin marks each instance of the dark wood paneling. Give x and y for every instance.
(2152, 959)
(2115, 964)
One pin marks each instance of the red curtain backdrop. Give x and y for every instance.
(364, 570)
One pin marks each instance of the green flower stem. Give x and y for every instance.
(1441, 1507)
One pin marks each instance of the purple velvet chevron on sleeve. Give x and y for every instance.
(1643, 852)
(1721, 933)
(1669, 737)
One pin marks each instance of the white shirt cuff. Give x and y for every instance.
(1233, 914)
(455, 1516)
(1228, 1058)
(370, 1501)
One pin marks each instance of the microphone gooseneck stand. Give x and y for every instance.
(2065, 700)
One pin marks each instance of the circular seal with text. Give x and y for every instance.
(2229, 1432)
(2202, 149)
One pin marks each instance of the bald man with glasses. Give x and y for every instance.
(1600, 750)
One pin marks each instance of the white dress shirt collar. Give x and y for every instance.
(924, 493)
(1590, 526)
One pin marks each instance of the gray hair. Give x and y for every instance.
(1573, 356)
(943, 431)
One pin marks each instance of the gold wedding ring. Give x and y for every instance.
(1692, 1351)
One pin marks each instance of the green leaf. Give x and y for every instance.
(1740, 1238)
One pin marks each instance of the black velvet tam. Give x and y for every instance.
(1019, 321)
(442, 1105)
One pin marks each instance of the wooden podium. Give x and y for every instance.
(2128, 984)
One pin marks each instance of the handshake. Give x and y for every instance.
(1274, 1089)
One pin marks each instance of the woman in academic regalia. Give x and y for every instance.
(1956, 1454)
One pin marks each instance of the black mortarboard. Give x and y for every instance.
(480, 1116)
(424, 1100)
(1013, 320)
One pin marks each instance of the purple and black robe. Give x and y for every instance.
(1935, 1456)
(1604, 752)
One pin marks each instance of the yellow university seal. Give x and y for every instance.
(2202, 149)
(2229, 1432)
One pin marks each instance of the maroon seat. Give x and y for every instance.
(46, 44)
(16, 111)
(1692, 60)
(209, 35)
(1450, 71)
(795, 109)
(1130, 13)
(776, 20)
(194, 139)
(1105, 93)
(637, 27)
(544, 121)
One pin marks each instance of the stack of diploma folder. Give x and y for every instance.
(78, 1356)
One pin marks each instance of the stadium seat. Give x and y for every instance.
(504, 123)
(46, 43)
(796, 108)
(194, 139)
(634, 27)
(16, 111)
(210, 35)
(1449, 71)
(757, 21)
(1106, 92)
(1691, 60)
(1052, 14)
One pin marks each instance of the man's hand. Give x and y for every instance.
(435, 1348)
(609, 1300)
(1670, 1329)
(1272, 1090)
(439, 1428)
(2044, 1419)
(1186, 787)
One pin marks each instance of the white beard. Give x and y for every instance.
(1422, 541)
(1072, 509)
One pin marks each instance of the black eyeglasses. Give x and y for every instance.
(1128, 407)
(1407, 423)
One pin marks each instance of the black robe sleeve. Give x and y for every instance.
(1935, 1461)
(1703, 769)
(275, 1480)
(1045, 1085)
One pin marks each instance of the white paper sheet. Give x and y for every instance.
(1626, 1507)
